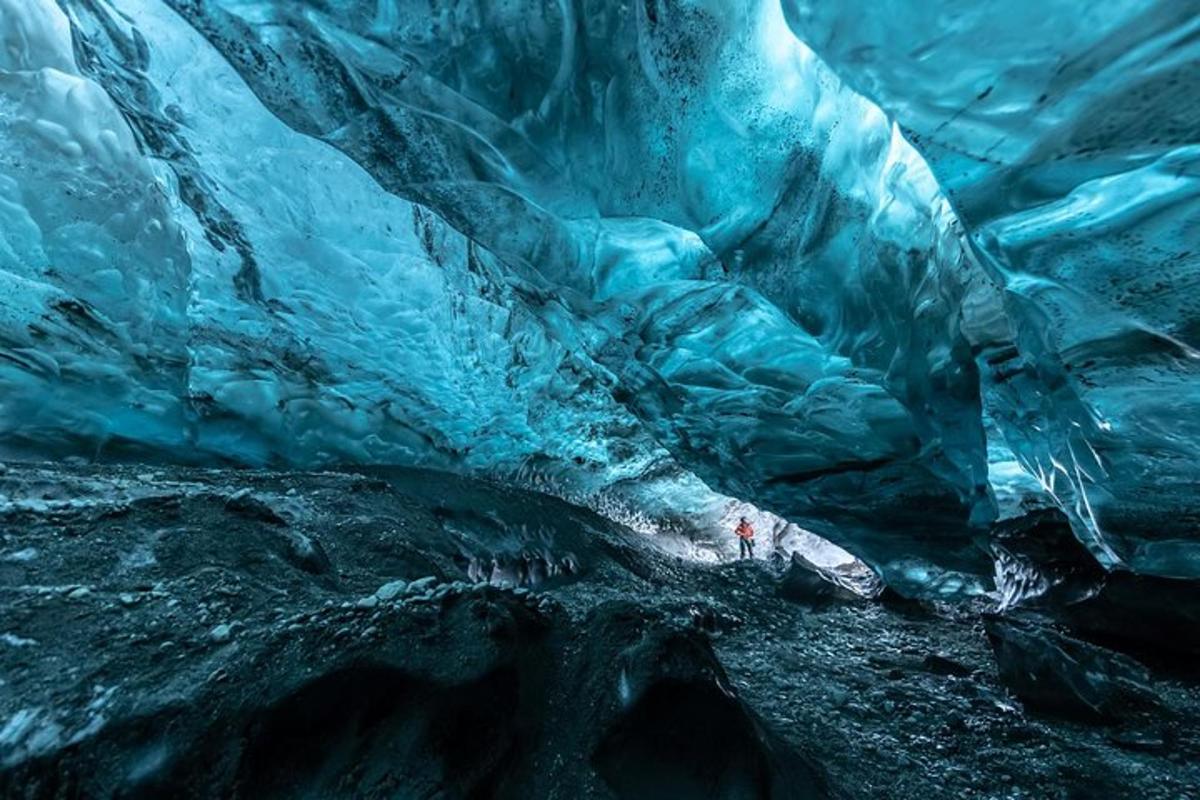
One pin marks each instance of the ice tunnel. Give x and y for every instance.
(920, 277)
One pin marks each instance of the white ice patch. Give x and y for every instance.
(13, 640)
(28, 733)
(24, 555)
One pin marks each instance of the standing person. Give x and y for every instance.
(745, 534)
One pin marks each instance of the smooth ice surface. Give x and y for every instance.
(641, 253)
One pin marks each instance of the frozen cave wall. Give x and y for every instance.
(1067, 137)
(205, 283)
(652, 248)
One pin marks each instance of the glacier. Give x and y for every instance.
(663, 252)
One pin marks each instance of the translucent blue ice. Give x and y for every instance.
(1067, 136)
(616, 247)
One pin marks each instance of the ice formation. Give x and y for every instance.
(828, 259)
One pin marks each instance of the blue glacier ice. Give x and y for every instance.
(885, 270)
(1066, 139)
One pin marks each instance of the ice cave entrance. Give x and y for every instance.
(712, 541)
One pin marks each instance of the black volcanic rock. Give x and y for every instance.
(1053, 673)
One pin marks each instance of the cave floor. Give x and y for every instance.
(222, 633)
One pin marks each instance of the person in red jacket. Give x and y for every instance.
(745, 534)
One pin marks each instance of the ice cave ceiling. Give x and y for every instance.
(836, 259)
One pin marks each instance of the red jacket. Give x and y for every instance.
(744, 530)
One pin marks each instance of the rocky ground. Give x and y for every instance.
(170, 632)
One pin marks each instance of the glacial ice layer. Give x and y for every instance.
(621, 246)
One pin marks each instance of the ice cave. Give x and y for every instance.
(606, 399)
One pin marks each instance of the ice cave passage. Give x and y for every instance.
(387, 378)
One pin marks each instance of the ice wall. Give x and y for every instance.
(94, 267)
(1067, 136)
(193, 280)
